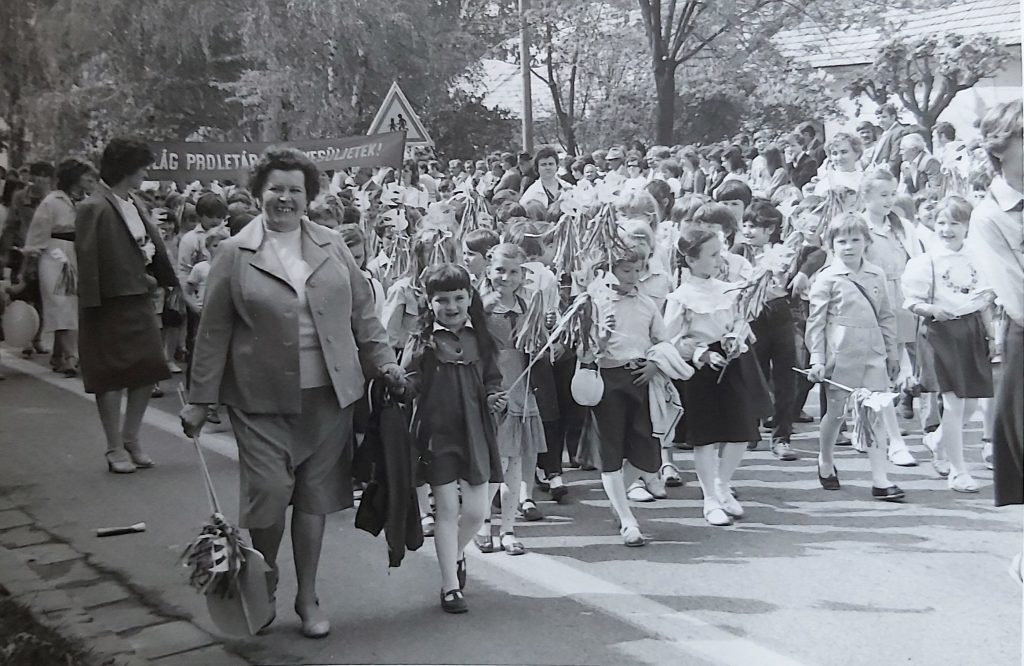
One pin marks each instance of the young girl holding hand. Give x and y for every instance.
(851, 334)
(727, 395)
(457, 386)
(945, 289)
(520, 430)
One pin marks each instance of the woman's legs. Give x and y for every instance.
(109, 406)
(446, 533)
(307, 541)
(134, 411)
(267, 540)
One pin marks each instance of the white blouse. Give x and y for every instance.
(958, 286)
(702, 311)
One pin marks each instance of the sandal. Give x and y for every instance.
(139, 457)
(485, 544)
(530, 511)
(118, 462)
(670, 474)
(511, 546)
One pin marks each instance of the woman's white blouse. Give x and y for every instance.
(959, 287)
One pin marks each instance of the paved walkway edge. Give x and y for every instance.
(67, 593)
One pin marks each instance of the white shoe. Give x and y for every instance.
(931, 441)
(902, 457)
(631, 536)
(729, 503)
(962, 483)
(637, 492)
(656, 487)
(174, 368)
(716, 516)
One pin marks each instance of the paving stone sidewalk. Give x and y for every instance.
(71, 594)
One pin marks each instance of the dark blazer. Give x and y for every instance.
(110, 263)
(887, 148)
(801, 173)
(247, 348)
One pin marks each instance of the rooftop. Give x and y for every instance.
(811, 45)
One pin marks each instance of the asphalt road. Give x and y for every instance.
(807, 577)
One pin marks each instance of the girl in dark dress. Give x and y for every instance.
(456, 384)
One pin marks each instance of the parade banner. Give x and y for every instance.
(207, 160)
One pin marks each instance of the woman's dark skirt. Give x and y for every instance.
(958, 353)
(119, 345)
(726, 411)
(1008, 433)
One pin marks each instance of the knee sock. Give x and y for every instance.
(615, 489)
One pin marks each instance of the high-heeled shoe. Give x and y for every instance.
(313, 627)
(829, 482)
(139, 457)
(118, 462)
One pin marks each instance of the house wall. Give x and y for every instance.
(964, 111)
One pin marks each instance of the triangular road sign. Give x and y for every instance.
(396, 115)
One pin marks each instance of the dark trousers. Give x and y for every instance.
(801, 385)
(565, 432)
(191, 328)
(776, 352)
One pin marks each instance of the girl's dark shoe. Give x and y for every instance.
(891, 494)
(452, 601)
(829, 482)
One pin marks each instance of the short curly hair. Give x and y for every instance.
(70, 171)
(283, 158)
(122, 157)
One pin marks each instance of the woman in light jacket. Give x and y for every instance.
(51, 242)
(287, 314)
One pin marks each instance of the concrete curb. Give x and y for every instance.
(69, 594)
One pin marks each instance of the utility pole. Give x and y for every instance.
(524, 57)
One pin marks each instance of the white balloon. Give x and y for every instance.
(20, 324)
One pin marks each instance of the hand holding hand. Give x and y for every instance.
(497, 402)
(394, 377)
(192, 419)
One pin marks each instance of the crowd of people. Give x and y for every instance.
(608, 312)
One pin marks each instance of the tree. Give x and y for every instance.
(925, 73)
(680, 31)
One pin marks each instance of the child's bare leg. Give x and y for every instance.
(831, 422)
(476, 506)
(446, 533)
(513, 471)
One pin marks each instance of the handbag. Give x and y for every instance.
(173, 314)
(587, 387)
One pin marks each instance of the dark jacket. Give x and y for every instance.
(801, 173)
(386, 460)
(110, 263)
